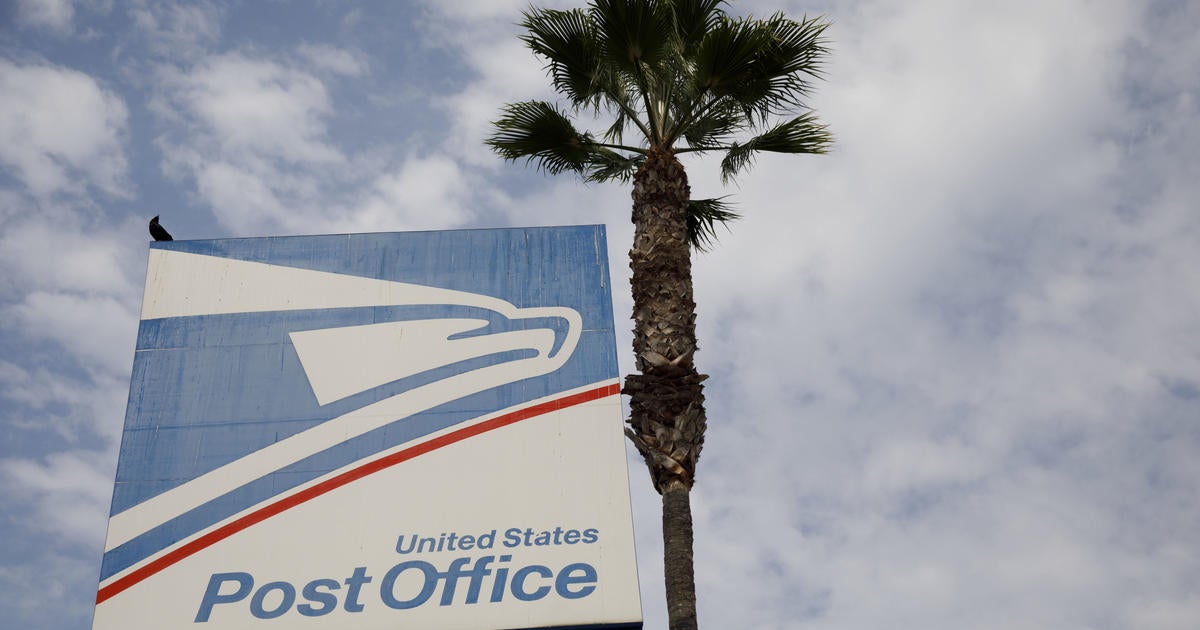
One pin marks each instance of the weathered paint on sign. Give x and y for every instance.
(374, 431)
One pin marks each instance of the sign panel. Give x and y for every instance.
(407, 430)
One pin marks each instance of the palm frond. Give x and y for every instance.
(693, 19)
(567, 41)
(802, 134)
(714, 127)
(616, 131)
(792, 55)
(538, 132)
(725, 57)
(797, 47)
(619, 100)
(703, 216)
(635, 37)
(605, 165)
(632, 32)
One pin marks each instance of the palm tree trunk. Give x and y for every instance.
(677, 557)
(667, 419)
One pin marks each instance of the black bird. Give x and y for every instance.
(159, 232)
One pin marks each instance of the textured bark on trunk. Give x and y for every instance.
(677, 557)
(667, 419)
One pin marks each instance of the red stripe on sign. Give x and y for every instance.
(312, 492)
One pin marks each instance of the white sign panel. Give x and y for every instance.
(409, 430)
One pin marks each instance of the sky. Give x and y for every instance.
(955, 363)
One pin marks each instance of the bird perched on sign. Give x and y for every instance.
(159, 232)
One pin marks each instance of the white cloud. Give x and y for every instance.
(97, 330)
(69, 305)
(60, 576)
(36, 253)
(259, 108)
(908, 464)
(505, 71)
(70, 491)
(426, 192)
(1165, 614)
(41, 399)
(470, 11)
(176, 29)
(242, 201)
(53, 14)
(508, 73)
(60, 129)
(256, 142)
(262, 156)
(334, 59)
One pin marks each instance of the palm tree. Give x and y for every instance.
(687, 78)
